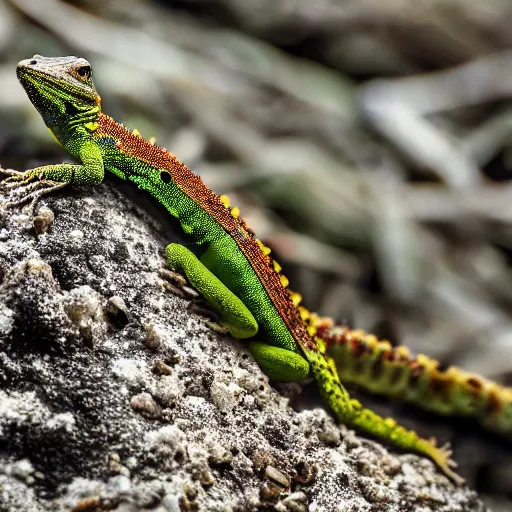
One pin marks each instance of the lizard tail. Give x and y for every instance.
(380, 368)
(389, 430)
(351, 413)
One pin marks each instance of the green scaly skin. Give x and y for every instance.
(234, 273)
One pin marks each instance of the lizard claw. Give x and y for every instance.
(442, 457)
(177, 284)
(448, 452)
(20, 188)
(17, 178)
(11, 172)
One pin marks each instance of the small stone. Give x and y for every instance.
(270, 491)
(87, 504)
(21, 469)
(220, 456)
(168, 442)
(160, 368)
(171, 503)
(153, 339)
(225, 396)
(115, 467)
(295, 502)
(274, 474)
(117, 312)
(119, 484)
(169, 389)
(144, 404)
(129, 371)
(76, 234)
(43, 221)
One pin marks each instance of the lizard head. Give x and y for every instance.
(60, 88)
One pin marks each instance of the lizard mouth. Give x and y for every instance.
(29, 67)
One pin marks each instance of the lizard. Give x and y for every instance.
(235, 272)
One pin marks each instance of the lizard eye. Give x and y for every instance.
(84, 72)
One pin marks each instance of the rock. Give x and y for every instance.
(102, 414)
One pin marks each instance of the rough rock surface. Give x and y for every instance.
(115, 396)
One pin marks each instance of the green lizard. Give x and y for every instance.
(234, 273)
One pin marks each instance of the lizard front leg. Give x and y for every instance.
(238, 320)
(30, 185)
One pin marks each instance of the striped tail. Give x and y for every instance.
(378, 367)
(353, 414)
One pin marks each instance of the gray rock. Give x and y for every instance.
(113, 395)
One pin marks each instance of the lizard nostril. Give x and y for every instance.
(33, 62)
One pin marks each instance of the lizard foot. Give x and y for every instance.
(178, 285)
(21, 188)
(17, 179)
(442, 457)
(211, 318)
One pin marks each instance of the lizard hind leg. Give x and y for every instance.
(278, 363)
(235, 316)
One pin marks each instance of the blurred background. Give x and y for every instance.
(368, 143)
